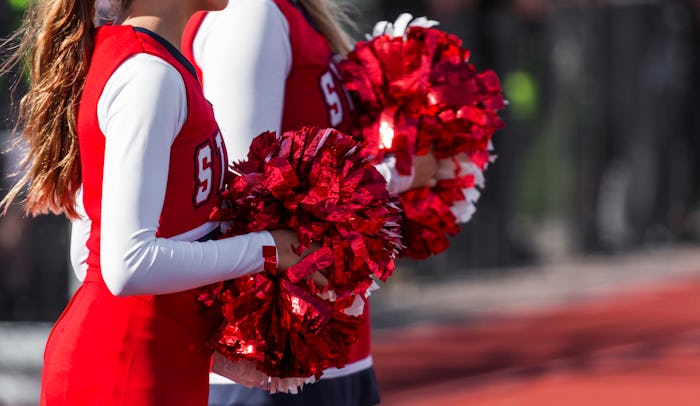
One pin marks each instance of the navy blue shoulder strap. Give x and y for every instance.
(171, 49)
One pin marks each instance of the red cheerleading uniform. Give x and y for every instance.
(136, 350)
(313, 96)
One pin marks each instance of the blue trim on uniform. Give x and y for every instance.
(358, 389)
(171, 49)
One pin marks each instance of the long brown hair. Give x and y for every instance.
(330, 17)
(55, 44)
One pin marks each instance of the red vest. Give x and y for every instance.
(197, 155)
(314, 94)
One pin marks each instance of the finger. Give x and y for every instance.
(319, 279)
(313, 247)
(401, 24)
(226, 226)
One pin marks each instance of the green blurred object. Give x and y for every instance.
(19, 4)
(521, 91)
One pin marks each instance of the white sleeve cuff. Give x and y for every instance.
(395, 182)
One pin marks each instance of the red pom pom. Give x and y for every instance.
(316, 183)
(417, 94)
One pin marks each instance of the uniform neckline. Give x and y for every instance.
(170, 48)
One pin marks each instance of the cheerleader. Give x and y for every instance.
(119, 110)
(269, 65)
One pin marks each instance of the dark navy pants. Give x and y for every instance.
(358, 389)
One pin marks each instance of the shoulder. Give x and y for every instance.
(144, 85)
(261, 5)
(122, 55)
(244, 26)
(247, 13)
(147, 68)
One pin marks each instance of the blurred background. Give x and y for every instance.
(579, 276)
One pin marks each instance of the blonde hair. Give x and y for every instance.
(54, 47)
(330, 17)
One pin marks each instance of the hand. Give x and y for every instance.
(425, 167)
(319, 279)
(286, 257)
(398, 28)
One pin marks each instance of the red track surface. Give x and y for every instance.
(640, 348)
